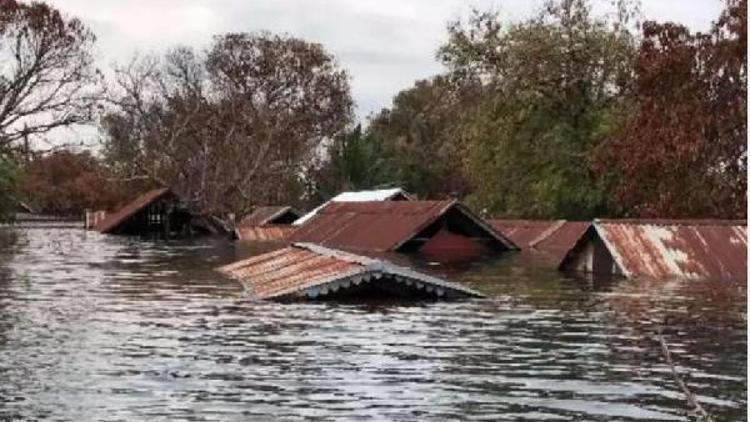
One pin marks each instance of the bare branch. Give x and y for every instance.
(49, 80)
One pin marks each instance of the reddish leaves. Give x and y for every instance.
(682, 151)
(66, 183)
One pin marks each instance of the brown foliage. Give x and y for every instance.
(47, 79)
(682, 151)
(233, 128)
(67, 183)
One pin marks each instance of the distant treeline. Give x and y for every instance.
(567, 114)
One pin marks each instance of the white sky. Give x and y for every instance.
(384, 44)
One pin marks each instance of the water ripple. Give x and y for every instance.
(104, 328)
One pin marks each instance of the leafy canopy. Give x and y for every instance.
(550, 87)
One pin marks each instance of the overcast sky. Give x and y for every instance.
(385, 44)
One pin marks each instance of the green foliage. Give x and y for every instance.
(566, 114)
(8, 189)
(420, 136)
(359, 161)
(354, 162)
(550, 87)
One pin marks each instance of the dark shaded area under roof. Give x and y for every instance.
(116, 220)
(270, 215)
(158, 213)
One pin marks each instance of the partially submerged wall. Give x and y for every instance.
(713, 249)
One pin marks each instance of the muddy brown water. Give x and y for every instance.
(101, 328)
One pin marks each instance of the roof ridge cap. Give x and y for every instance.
(559, 224)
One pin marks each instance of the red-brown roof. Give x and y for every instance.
(390, 194)
(675, 248)
(118, 217)
(524, 232)
(559, 241)
(263, 233)
(553, 237)
(266, 215)
(311, 271)
(380, 226)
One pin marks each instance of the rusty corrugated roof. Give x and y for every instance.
(389, 194)
(311, 271)
(524, 232)
(118, 217)
(553, 237)
(713, 249)
(263, 233)
(266, 215)
(380, 226)
(559, 241)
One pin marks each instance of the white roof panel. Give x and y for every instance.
(358, 196)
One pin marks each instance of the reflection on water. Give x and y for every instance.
(104, 328)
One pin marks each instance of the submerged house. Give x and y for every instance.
(443, 231)
(392, 194)
(266, 223)
(25, 216)
(313, 272)
(349, 250)
(23, 212)
(554, 238)
(93, 218)
(23, 207)
(158, 213)
(710, 249)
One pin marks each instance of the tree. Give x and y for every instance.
(67, 183)
(237, 126)
(159, 118)
(8, 196)
(353, 161)
(283, 98)
(683, 150)
(47, 77)
(551, 86)
(420, 136)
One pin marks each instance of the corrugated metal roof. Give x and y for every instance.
(553, 237)
(358, 196)
(262, 233)
(675, 248)
(524, 232)
(312, 271)
(559, 241)
(266, 215)
(380, 226)
(118, 217)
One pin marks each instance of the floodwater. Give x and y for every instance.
(99, 328)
